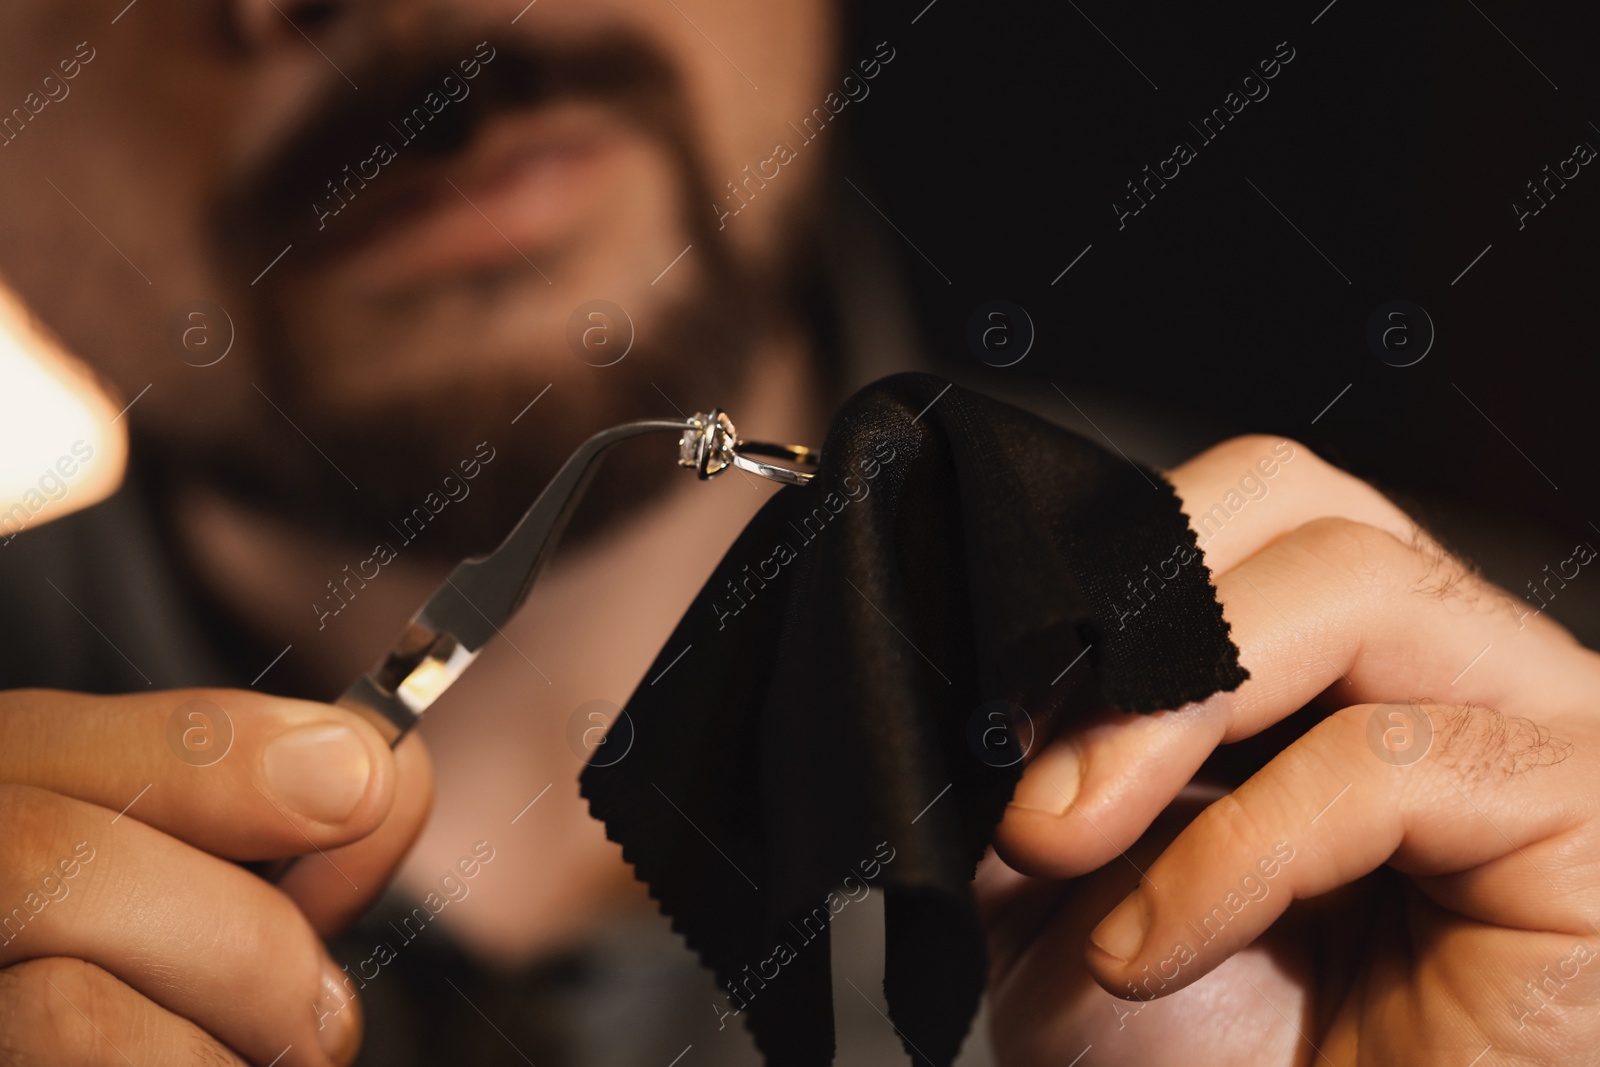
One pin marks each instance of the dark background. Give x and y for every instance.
(1396, 141)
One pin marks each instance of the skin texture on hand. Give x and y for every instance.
(1383, 844)
(129, 933)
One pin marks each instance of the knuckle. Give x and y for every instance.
(1483, 743)
(1229, 828)
(1254, 444)
(1354, 548)
(1374, 559)
(1464, 746)
(1283, 456)
(1290, 465)
(1438, 574)
(1245, 444)
(279, 935)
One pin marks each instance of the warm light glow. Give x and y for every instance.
(59, 448)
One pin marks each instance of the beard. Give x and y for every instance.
(375, 464)
(377, 456)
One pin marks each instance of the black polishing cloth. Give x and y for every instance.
(845, 706)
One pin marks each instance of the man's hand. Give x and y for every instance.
(126, 932)
(1407, 874)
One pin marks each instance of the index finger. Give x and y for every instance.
(1248, 491)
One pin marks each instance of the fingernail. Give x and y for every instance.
(1050, 783)
(319, 771)
(338, 1015)
(1120, 934)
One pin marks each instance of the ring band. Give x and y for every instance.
(711, 445)
(798, 453)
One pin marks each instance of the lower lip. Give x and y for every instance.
(535, 199)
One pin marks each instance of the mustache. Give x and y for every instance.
(273, 201)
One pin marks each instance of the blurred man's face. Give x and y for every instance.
(400, 204)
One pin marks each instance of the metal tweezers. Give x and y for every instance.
(483, 593)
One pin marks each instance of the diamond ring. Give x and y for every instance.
(711, 445)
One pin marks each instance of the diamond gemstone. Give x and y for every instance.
(689, 445)
(722, 437)
(707, 445)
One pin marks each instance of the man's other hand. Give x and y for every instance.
(1404, 872)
